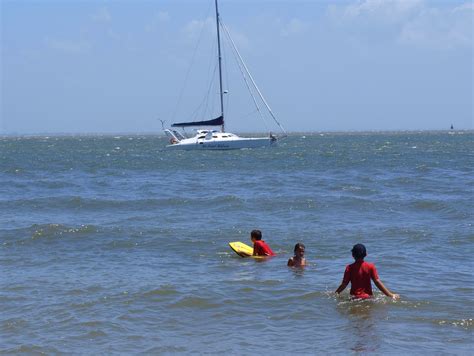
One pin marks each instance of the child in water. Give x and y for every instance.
(359, 274)
(260, 247)
(298, 259)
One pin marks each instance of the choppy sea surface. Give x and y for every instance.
(115, 245)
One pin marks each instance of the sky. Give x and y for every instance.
(122, 66)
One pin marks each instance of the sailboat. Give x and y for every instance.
(210, 139)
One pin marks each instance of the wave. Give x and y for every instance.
(31, 349)
(196, 303)
(13, 325)
(438, 206)
(466, 324)
(46, 233)
(74, 202)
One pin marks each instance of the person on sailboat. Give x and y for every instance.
(260, 247)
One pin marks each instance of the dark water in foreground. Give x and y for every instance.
(113, 245)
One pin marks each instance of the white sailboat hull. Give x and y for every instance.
(234, 143)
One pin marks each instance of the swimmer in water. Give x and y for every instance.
(298, 259)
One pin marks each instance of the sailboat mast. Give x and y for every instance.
(220, 67)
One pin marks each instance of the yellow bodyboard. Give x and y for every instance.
(242, 249)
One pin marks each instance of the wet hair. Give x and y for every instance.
(298, 246)
(256, 234)
(359, 251)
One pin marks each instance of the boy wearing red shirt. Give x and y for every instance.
(260, 248)
(359, 274)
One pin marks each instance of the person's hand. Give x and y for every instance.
(395, 296)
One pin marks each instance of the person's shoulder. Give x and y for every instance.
(369, 264)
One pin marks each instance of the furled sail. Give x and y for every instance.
(214, 122)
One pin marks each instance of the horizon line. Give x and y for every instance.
(289, 133)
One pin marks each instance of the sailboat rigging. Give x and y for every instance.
(208, 139)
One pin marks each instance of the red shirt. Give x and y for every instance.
(260, 248)
(359, 274)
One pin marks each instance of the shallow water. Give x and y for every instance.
(114, 245)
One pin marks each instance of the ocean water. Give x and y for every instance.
(113, 245)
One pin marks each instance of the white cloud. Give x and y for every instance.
(239, 38)
(294, 26)
(465, 7)
(440, 29)
(407, 22)
(193, 29)
(102, 15)
(68, 46)
(162, 16)
(158, 19)
(379, 11)
(113, 35)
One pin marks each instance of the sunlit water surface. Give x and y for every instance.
(114, 245)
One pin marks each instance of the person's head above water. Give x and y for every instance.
(359, 252)
(299, 249)
(256, 235)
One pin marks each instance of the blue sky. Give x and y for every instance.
(119, 66)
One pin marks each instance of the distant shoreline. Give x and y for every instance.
(295, 133)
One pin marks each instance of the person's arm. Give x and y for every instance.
(345, 280)
(290, 263)
(341, 287)
(385, 290)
